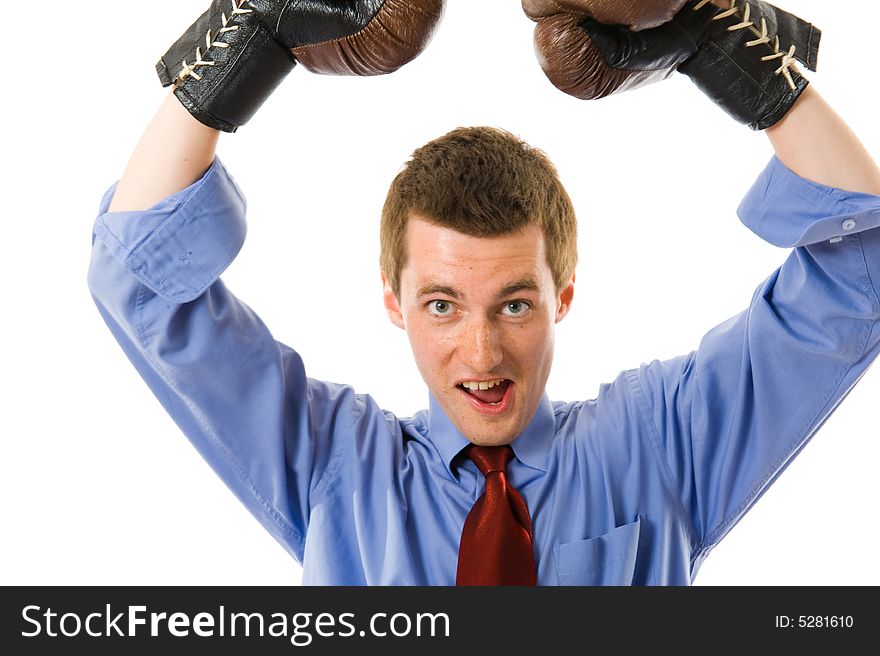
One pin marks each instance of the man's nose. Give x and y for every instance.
(482, 347)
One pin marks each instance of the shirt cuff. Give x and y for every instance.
(788, 210)
(179, 246)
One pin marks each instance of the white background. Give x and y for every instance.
(98, 484)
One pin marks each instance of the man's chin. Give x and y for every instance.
(495, 426)
(482, 426)
(491, 441)
(488, 433)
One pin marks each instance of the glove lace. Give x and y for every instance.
(189, 69)
(744, 15)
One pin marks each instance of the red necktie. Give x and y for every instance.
(496, 541)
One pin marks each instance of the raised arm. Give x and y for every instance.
(814, 142)
(176, 220)
(726, 419)
(174, 151)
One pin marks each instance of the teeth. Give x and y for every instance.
(482, 385)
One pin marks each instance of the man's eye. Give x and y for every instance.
(516, 308)
(440, 308)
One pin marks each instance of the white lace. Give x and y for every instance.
(189, 69)
(744, 15)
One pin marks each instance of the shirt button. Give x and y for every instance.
(849, 224)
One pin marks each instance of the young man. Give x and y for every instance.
(633, 487)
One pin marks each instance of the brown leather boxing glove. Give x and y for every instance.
(742, 56)
(231, 59)
(635, 15)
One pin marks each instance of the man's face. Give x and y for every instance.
(479, 313)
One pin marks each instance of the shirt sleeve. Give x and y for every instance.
(241, 397)
(729, 417)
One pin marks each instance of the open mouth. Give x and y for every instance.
(489, 396)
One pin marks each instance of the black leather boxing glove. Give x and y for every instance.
(747, 65)
(236, 53)
(742, 57)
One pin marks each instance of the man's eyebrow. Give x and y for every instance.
(431, 289)
(528, 284)
(524, 284)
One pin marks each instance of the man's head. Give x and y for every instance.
(478, 250)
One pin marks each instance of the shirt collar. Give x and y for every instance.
(531, 447)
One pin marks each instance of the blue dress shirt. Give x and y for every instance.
(633, 487)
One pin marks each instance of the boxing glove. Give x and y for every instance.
(742, 57)
(633, 14)
(234, 55)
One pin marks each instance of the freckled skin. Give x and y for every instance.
(477, 334)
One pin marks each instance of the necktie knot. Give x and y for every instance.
(490, 459)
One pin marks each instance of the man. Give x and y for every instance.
(635, 486)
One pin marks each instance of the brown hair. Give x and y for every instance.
(482, 182)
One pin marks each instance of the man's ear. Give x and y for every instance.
(565, 298)
(392, 305)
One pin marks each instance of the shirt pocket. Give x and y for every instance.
(608, 559)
